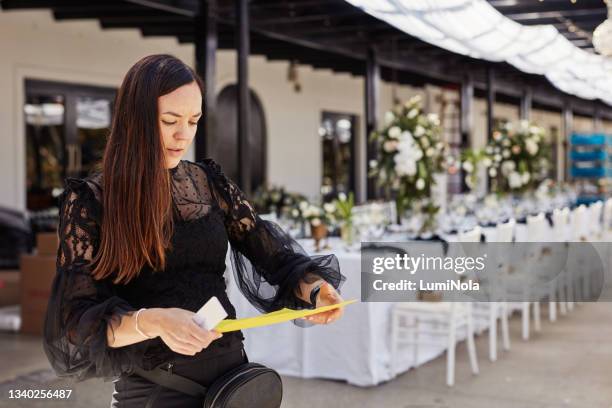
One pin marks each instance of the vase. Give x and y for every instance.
(319, 232)
(347, 233)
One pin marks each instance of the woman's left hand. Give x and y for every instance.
(327, 296)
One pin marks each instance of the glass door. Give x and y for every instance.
(66, 130)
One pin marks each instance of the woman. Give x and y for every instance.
(143, 245)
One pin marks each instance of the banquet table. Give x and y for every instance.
(356, 348)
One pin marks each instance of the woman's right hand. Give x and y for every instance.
(177, 329)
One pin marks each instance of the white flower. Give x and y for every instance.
(515, 180)
(412, 113)
(425, 142)
(373, 164)
(389, 117)
(390, 146)
(487, 162)
(433, 118)
(507, 167)
(329, 207)
(439, 145)
(303, 205)
(497, 158)
(315, 222)
(415, 99)
(395, 132)
(408, 155)
(468, 166)
(524, 124)
(406, 135)
(506, 142)
(489, 150)
(492, 172)
(295, 212)
(419, 131)
(420, 184)
(342, 196)
(531, 146)
(430, 152)
(506, 153)
(405, 166)
(525, 176)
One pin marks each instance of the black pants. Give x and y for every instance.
(133, 391)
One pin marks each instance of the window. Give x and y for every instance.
(337, 132)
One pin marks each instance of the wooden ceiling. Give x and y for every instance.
(330, 34)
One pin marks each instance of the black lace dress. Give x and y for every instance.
(210, 211)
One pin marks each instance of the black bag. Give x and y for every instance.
(248, 385)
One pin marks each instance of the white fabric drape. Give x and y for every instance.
(476, 29)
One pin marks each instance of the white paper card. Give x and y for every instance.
(211, 314)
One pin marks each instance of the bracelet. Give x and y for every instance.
(137, 328)
(313, 294)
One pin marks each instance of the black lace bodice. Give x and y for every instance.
(210, 212)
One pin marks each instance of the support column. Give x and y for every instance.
(490, 100)
(244, 108)
(467, 111)
(372, 87)
(466, 124)
(206, 60)
(526, 104)
(597, 121)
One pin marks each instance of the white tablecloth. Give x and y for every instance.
(356, 348)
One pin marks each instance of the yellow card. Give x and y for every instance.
(279, 316)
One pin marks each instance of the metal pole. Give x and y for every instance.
(205, 57)
(244, 109)
(563, 172)
(372, 86)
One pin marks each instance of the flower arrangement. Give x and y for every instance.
(277, 200)
(519, 159)
(471, 160)
(411, 152)
(317, 215)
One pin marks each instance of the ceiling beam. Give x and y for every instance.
(174, 7)
(551, 15)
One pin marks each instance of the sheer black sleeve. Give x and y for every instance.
(268, 264)
(80, 308)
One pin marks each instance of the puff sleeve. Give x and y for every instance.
(268, 264)
(80, 308)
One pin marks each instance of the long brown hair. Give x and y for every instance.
(137, 224)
